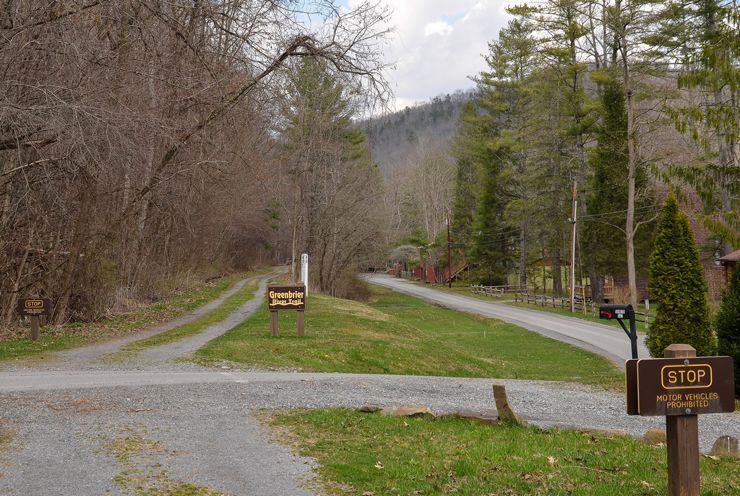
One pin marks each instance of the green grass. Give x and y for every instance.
(361, 453)
(216, 315)
(57, 338)
(5, 436)
(398, 334)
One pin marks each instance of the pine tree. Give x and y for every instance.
(489, 149)
(607, 198)
(335, 183)
(704, 36)
(677, 283)
(467, 151)
(728, 325)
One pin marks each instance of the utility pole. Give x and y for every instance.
(449, 254)
(573, 249)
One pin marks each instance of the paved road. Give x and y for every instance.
(607, 340)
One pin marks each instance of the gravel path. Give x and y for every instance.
(197, 424)
(185, 347)
(89, 356)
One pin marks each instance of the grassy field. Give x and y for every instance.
(219, 313)
(398, 334)
(56, 338)
(370, 454)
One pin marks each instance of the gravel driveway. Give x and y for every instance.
(91, 428)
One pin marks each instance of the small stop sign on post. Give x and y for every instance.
(681, 386)
(33, 308)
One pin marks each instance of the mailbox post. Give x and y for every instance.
(620, 313)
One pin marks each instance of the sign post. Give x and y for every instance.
(621, 312)
(286, 298)
(34, 308)
(681, 386)
(682, 437)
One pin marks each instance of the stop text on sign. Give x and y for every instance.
(686, 376)
(33, 307)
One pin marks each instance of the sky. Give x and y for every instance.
(437, 45)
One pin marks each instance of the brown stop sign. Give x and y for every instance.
(680, 386)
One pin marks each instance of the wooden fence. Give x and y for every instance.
(583, 304)
(488, 290)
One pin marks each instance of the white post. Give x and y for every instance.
(304, 271)
(647, 315)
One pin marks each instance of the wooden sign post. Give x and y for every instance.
(34, 308)
(681, 386)
(682, 440)
(286, 298)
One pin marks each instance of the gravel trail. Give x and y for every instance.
(89, 356)
(157, 355)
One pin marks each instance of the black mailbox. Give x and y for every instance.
(619, 312)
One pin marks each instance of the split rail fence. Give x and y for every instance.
(583, 304)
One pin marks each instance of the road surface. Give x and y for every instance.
(606, 340)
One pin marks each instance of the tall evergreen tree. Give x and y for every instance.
(336, 186)
(467, 179)
(704, 38)
(677, 282)
(603, 232)
(728, 325)
(490, 151)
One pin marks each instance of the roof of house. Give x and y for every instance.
(731, 257)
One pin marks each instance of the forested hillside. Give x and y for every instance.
(582, 119)
(396, 137)
(413, 148)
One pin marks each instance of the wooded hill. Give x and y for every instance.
(395, 138)
(611, 102)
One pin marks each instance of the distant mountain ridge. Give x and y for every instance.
(396, 137)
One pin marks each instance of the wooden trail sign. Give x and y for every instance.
(286, 298)
(680, 386)
(34, 308)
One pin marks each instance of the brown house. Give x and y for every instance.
(729, 264)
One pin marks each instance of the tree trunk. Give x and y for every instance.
(631, 173)
(557, 275)
(597, 286)
(79, 239)
(523, 256)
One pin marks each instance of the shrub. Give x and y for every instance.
(677, 283)
(728, 325)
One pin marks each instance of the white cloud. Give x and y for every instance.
(437, 44)
(439, 27)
